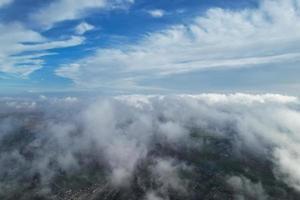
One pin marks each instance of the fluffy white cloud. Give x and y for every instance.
(157, 13)
(83, 28)
(62, 10)
(167, 172)
(265, 124)
(220, 38)
(16, 41)
(245, 189)
(121, 131)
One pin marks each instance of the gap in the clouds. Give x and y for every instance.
(20, 10)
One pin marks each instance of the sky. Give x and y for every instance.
(142, 46)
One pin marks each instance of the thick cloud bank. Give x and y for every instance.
(208, 146)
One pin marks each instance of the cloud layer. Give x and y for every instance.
(164, 143)
(63, 10)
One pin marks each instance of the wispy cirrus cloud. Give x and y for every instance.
(22, 49)
(62, 10)
(221, 38)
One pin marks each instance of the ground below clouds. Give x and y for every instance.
(208, 146)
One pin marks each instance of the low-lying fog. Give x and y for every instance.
(207, 146)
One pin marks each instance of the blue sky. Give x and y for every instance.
(142, 46)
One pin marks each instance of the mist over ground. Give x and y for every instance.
(207, 146)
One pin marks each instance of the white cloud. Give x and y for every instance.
(152, 196)
(121, 131)
(166, 172)
(16, 41)
(5, 2)
(62, 10)
(157, 13)
(221, 38)
(83, 28)
(241, 98)
(22, 49)
(245, 189)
